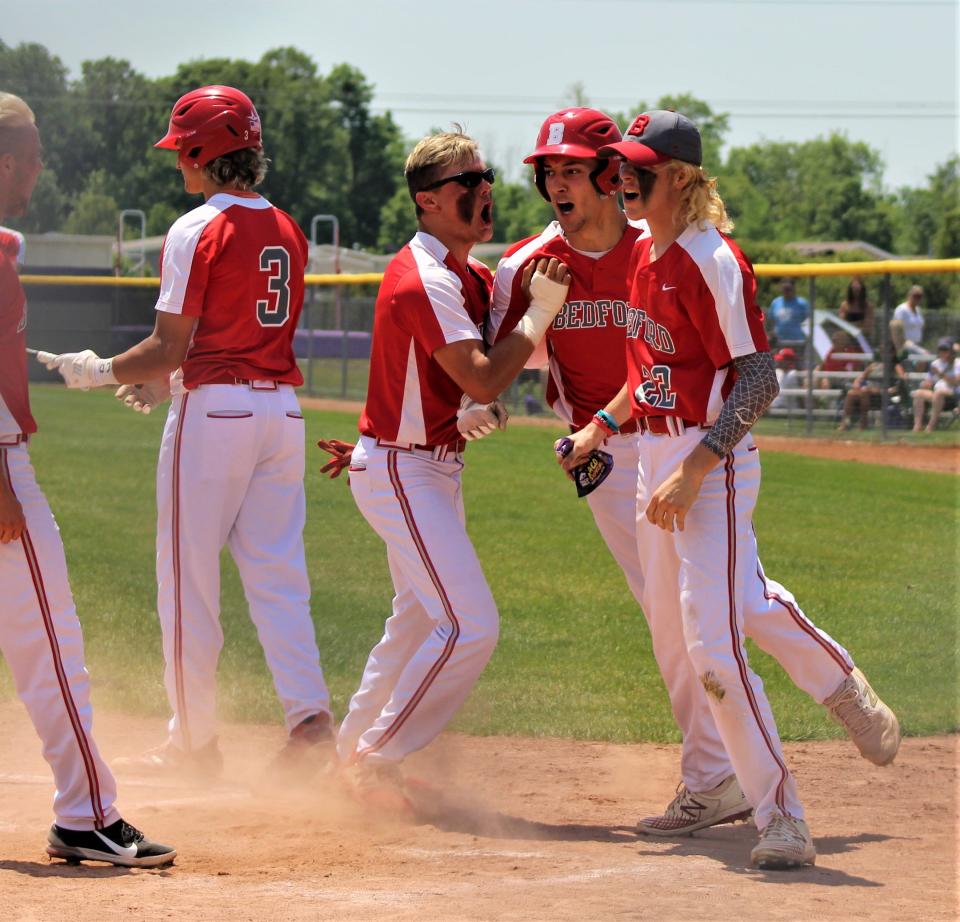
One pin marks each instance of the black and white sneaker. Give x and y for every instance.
(119, 843)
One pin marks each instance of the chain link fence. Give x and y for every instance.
(333, 339)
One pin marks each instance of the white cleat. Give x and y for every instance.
(689, 811)
(871, 725)
(785, 843)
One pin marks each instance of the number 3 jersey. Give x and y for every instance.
(692, 312)
(236, 263)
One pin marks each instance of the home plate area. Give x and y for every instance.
(516, 829)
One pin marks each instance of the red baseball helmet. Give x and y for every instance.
(578, 132)
(210, 122)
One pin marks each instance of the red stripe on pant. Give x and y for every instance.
(804, 624)
(451, 643)
(734, 632)
(177, 603)
(36, 575)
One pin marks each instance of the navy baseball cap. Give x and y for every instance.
(656, 137)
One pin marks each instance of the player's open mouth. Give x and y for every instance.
(631, 196)
(486, 213)
(565, 207)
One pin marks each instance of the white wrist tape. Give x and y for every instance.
(546, 301)
(102, 373)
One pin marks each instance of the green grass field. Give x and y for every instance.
(870, 552)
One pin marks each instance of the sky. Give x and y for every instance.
(881, 71)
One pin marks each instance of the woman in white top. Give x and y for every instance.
(909, 315)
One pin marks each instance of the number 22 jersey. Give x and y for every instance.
(692, 312)
(236, 263)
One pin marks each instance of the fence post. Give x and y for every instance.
(307, 322)
(808, 351)
(888, 360)
(345, 347)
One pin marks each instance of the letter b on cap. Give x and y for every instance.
(555, 135)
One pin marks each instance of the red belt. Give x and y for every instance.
(667, 425)
(438, 452)
(256, 384)
(9, 441)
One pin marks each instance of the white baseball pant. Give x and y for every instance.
(42, 642)
(231, 473)
(713, 561)
(614, 508)
(444, 623)
(772, 619)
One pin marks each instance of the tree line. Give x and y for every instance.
(331, 154)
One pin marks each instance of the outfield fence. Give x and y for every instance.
(332, 341)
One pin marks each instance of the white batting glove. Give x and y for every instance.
(81, 370)
(144, 397)
(476, 420)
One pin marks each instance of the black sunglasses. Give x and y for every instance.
(469, 180)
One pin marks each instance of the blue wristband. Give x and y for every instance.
(607, 420)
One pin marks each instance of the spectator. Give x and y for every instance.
(788, 312)
(788, 376)
(867, 389)
(909, 315)
(897, 336)
(857, 308)
(941, 387)
(838, 357)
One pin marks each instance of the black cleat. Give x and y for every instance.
(119, 843)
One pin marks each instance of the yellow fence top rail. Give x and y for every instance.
(877, 267)
(764, 270)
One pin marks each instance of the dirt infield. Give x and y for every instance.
(532, 830)
(944, 459)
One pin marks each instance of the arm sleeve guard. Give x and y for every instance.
(754, 390)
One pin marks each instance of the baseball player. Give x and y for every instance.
(585, 349)
(427, 353)
(232, 456)
(699, 375)
(40, 634)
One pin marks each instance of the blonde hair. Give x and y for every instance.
(433, 154)
(700, 202)
(14, 112)
(15, 116)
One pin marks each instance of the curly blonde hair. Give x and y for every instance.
(700, 202)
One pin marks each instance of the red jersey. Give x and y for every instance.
(15, 417)
(585, 345)
(237, 265)
(835, 360)
(13, 245)
(426, 300)
(692, 312)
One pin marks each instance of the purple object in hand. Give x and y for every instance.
(589, 475)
